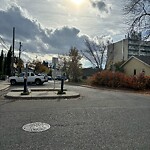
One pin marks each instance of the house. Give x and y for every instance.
(136, 65)
(132, 45)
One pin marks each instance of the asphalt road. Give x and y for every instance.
(99, 119)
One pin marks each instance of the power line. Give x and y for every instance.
(3, 44)
(4, 47)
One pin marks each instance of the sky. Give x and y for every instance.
(50, 28)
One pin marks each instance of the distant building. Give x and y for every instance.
(124, 49)
(54, 62)
(87, 72)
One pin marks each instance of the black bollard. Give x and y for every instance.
(25, 85)
(62, 85)
(26, 91)
(61, 91)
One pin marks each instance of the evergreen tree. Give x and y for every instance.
(5, 65)
(1, 62)
(8, 60)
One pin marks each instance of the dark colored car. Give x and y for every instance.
(60, 77)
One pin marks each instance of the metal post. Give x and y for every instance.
(13, 46)
(25, 85)
(62, 84)
(19, 61)
(26, 76)
(26, 91)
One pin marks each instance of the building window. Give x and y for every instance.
(32, 74)
(143, 72)
(134, 71)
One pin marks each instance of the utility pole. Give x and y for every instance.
(19, 61)
(13, 45)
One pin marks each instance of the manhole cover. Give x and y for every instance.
(36, 127)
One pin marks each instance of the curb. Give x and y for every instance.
(116, 90)
(4, 89)
(68, 95)
(38, 89)
(4, 85)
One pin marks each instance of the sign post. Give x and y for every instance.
(54, 63)
(53, 76)
(26, 91)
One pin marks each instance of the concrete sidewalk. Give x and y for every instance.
(4, 85)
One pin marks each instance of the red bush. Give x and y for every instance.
(117, 80)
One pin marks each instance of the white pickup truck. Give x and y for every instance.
(31, 78)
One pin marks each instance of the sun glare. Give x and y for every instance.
(78, 2)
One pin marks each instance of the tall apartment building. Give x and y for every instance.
(132, 45)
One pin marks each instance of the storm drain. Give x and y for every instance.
(36, 127)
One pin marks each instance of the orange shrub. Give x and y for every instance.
(117, 80)
(147, 82)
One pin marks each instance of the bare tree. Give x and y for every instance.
(95, 51)
(138, 14)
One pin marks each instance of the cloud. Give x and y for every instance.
(13, 17)
(34, 37)
(100, 5)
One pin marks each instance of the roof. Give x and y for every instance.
(143, 59)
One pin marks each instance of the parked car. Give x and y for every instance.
(45, 76)
(59, 77)
(50, 78)
(31, 78)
